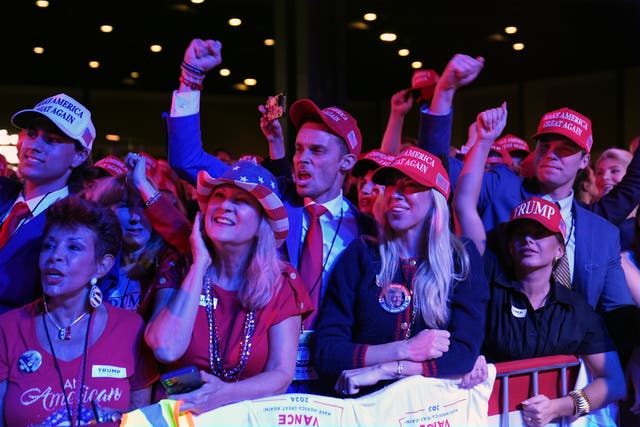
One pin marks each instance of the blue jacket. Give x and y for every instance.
(187, 157)
(19, 272)
(597, 271)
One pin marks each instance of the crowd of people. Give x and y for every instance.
(332, 271)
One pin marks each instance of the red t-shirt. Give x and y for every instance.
(116, 363)
(291, 299)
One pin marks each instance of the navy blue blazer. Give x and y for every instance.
(19, 272)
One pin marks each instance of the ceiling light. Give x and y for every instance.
(224, 72)
(94, 64)
(403, 52)
(495, 37)
(269, 42)
(106, 28)
(235, 22)
(241, 86)
(38, 50)
(42, 3)
(197, 1)
(510, 30)
(416, 65)
(250, 82)
(358, 25)
(518, 46)
(155, 48)
(388, 37)
(112, 137)
(134, 74)
(370, 16)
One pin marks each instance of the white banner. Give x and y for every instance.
(413, 402)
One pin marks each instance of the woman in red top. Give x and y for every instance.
(237, 314)
(66, 359)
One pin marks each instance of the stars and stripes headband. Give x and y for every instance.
(258, 182)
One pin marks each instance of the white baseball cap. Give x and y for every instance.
(70, 116)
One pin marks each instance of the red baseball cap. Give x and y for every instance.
(419, 165)
(371, 160)
(424, 81)
(513, 143)
(113, 165)
(543, 212)
(336, 119)
(568, 123)
(504, 154)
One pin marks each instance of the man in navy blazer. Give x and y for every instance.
(54, 144)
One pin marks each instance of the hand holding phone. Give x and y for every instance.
(181, 380)
(275, 106)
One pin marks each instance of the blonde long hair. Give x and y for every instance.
(263, 269)
(446, 261)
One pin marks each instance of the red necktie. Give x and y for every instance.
(19, 212)
(311, 259)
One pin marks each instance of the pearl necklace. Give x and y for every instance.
(215, 359)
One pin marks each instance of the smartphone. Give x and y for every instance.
(413, 93)
(181, 380)
(276, 106)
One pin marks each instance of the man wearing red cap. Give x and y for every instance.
(563, 143)
(328, 144)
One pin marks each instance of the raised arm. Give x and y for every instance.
(460, 71)
(401, 103)
(166, 219)
(277, 164)
(272, 131)
(435, 122)
(488, 126)
(168, 333)
(185, 152)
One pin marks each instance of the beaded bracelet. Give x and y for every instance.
(192, 68)
(581, 402)
(191, 84)
(191, 76)
(154, 198)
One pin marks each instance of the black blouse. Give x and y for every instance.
(566, 324)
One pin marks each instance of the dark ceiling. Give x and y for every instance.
(561, 37)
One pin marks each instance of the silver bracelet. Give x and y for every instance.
(399, 369)
(152, 199)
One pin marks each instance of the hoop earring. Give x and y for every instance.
(95, 294)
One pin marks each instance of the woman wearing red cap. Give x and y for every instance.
(236, 317)
(531, 313)
(363, 338)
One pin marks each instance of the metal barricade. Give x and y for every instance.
(518, 380)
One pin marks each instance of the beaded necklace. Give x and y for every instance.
(215, 359)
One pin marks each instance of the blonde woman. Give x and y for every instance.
(362, 339)
(611, 167)
(237, 314)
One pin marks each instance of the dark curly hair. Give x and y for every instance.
(73, 212)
